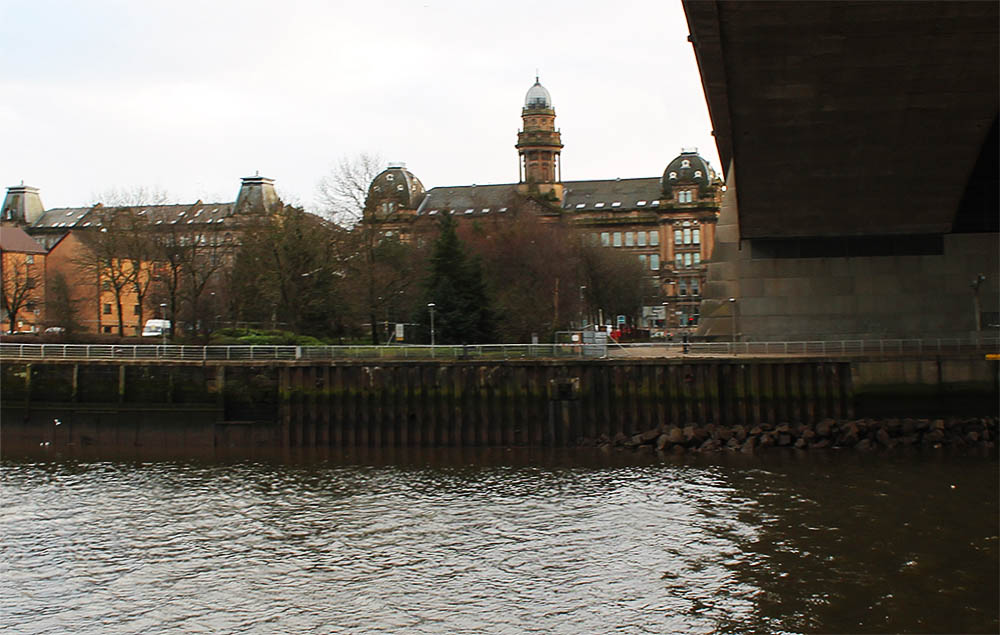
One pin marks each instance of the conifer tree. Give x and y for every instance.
(457, 289)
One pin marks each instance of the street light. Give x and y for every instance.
(430, 307)
(732, 311)
(976, 283)
(163, 312)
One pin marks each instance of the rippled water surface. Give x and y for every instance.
(501, 543)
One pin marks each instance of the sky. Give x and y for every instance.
(187, 97)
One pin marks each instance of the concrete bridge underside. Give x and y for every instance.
(859, 141)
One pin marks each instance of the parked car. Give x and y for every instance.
(156, 328)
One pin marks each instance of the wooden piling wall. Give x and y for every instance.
(458, 403)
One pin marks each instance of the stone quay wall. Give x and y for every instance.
(667, 403)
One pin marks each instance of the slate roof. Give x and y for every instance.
(14, 239)
(186, 214)
(599, 195)
(612, 194)
(469, 199)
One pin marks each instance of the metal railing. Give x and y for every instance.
(16, 351)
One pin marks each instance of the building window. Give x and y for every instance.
(654, 262)
(697, 258)
(687, 236)
(107, 309)
(107, 329)
(687, 260)
(654, 238)
(630, 239)
(682, 287)
(694, 286)
(640, 239)
(29, 259)
(642, 260)
(135, 310)
(696, 236)
(605, 239)
(678, 237)
(679, 261)
(697, 174)
(618, 239)
(685, 163)
(105, 286)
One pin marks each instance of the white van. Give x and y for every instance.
(156, 328)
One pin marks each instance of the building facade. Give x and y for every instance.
(667, 222)
(120, 265)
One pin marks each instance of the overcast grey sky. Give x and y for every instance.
(190, 96)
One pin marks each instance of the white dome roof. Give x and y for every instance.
(537, 97)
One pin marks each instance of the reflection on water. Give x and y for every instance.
(501, 542)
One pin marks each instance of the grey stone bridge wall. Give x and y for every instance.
(844, 298)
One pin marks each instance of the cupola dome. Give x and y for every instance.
(688, 168)
(397, 184)
(537, 96)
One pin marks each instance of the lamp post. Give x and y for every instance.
(977, 315)
(163, 312)
(732, 311)
(430, 307)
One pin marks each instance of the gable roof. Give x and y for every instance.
(14, 239)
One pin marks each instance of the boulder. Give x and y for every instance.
(675, 434)
(662, 441)
(710, 445)
(800, 443)
(865, 445)
(723, 433)
(650, 435)
(883, 437)
(824, 426)
(817, 445)
(784, 439)
(739, 432)
(748, 446)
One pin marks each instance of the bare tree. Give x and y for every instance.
(18, 281)
(343, 193)
(377, 262)
(132, 196)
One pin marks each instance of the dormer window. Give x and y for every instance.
(697, 174)
(685, 163)
(673, 176)
(400, 187)
(389, 177)
(598, 204)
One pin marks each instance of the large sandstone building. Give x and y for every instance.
(667, 222)
(86, 247)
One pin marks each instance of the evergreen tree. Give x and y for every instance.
(456, 287)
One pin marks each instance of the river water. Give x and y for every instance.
(501, 542)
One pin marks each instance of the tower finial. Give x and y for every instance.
(536, 76)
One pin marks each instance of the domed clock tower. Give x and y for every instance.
(539, 145)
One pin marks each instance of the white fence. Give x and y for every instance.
(11, 351)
